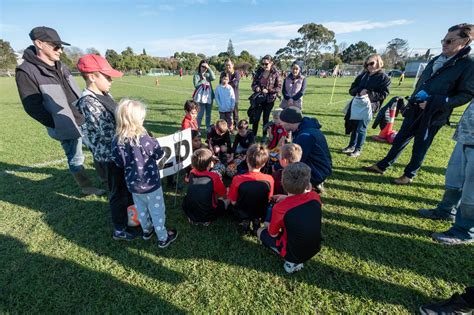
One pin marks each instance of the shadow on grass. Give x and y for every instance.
(82, 221)
(85, 223)
(35, 283)
(384, 193)
(356, 174)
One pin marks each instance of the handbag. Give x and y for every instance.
(256, 101)
(203, 94)
(361, 108)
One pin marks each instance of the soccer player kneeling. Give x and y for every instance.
(295, 226)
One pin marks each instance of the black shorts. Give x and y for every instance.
(269, 241)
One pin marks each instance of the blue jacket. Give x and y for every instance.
(225, 98)
(141, 170)
(315, 149)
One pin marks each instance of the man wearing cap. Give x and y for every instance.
(307, 133)
(47, 91)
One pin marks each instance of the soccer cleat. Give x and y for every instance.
(354, 154)
(434, 215)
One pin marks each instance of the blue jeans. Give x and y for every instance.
(152, 212)
(448, 206)
(204, 108)
(462, 175)
(75, 157)
(421, 144)
(358, 135)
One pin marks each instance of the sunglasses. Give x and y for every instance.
(54, 46)
(265, 63)
(372, 63)
(449, 41)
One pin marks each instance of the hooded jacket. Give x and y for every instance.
(315, 149)
(48, 93)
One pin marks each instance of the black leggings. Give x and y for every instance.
(266, 108)
(119, 196)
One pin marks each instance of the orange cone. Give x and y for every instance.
(386, 133)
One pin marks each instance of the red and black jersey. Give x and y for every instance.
(200, 202)
(251, 192)
(297, 221)
(277, 132)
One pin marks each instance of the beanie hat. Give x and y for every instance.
(299, 63)
(291, 115)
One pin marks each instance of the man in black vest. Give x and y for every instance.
(48, 91)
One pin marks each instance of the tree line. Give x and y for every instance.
(316, 46)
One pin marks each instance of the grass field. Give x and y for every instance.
(57, 254)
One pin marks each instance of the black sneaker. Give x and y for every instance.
(123, 235)
(454, 305)
(172, 235)
(147, 236)
(434, 215)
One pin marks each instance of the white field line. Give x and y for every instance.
(38, 165)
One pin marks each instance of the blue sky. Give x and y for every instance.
(259, 26)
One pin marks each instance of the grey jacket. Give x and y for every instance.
(42, 92)
(465, 130)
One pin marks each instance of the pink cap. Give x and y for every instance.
(95, 63)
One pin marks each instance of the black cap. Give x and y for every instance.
(47, 34)
(291, 115)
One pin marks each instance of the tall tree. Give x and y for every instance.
(313, 37)
(73, 53)
(93, 51)
(357, 52)
(230, 49)
(144, 52)
(7, 56)
(114, 59)
(397, 49)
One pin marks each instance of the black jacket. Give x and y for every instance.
(377, 85)
(454, 81)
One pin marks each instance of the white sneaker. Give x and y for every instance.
(292, 267)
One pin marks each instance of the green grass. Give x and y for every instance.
(57, 255)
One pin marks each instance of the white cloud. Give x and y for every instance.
(357, 26)
(276, 29)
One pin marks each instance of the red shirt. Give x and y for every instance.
(250, 176)
(189, 122)
(277, 132)
(279, 211)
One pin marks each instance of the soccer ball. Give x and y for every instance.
(132, 216)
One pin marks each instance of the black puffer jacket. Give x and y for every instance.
(454, 81)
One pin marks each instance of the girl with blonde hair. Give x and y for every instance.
(138, 153)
